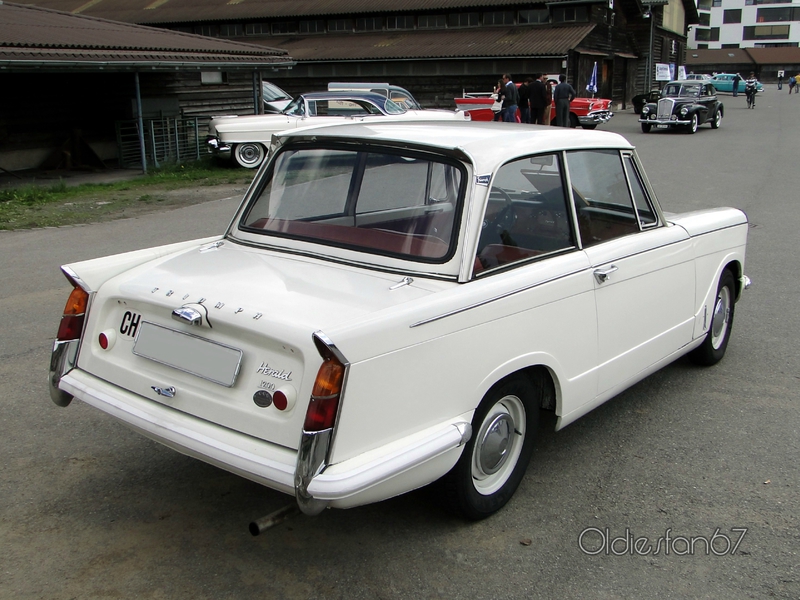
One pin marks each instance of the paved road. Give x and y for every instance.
(89, 509)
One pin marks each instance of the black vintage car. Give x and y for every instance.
(686, 104)
(642, 99)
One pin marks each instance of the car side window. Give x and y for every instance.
(526, 214)
(603, 201)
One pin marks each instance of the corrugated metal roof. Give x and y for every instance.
(775, 56)
(455, 43)
(39, 34)
(189, 11)
(726, 56)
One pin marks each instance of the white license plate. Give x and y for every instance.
(661, 126)
(189, 353)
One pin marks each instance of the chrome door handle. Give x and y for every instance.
(602, 274)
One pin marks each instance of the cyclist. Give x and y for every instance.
(750, 89)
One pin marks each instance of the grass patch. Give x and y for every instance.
(59, 204)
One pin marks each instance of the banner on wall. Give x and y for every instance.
(663, 72)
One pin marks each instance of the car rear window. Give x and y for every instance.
(377, 200)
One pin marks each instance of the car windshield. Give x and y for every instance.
(272, 92)
(374, 199)
(677, 89)
(296, 108)
(338, 107)
(393, 108)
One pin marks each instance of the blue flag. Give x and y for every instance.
(592, 87)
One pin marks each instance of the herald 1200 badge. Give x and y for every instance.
(265, 369)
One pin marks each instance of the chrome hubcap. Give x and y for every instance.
(494, 444)
(249, 153)
(719, 321)
(498, 445)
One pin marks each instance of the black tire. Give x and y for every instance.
(711, 351)
(646, 127)
(249, 154)
(692, 127)
(495, 458)
(573, 120)
(592, 126)
(717, 120)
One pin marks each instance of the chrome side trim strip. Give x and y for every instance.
(494, 299)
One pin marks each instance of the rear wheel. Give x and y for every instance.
(713, 348)
(717, 120)
(497, 455)
(249, 155)
(646, 127)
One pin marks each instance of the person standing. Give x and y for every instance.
(510, 99)
(548, 107)
(797, 83)
(736, 79)
(538, 100)
(750, 88)
(792, 83)
(499, 92)
(563, 95)
(780, 80)
(524, 101)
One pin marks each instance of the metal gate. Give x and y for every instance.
(166, 140)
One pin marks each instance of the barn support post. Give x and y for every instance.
(142, 153)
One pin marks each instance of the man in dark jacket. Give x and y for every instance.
(524, 101)
(539, 101)
(510, 99)
(563, 95)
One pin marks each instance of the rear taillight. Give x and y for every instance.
(322, 408)
(74, 312)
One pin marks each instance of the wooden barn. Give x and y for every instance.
(81, 91)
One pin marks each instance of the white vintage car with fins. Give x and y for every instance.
(245, 139)
(394, 303)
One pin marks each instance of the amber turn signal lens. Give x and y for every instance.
(322, 408)
(329, 378)
(71, 324)
(76, 305)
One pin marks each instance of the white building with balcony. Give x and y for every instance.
(746, 24)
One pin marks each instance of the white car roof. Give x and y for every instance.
(488, 143)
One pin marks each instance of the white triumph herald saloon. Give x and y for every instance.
(393, 304)
(246, 138)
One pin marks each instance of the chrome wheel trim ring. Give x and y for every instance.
(498, 445)
(249, 154)
(720, 318)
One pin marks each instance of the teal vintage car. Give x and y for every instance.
(723, 82)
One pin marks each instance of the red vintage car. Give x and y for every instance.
(585, 112)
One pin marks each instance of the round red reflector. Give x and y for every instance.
(279, 400)
(103, 339)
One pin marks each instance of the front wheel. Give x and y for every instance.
(695, 122)
(592, 126)
(495, 458)
(646, 127)
(711, 351)
(249, 155)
